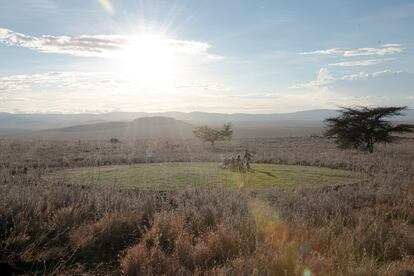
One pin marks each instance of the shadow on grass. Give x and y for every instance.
(264, 172)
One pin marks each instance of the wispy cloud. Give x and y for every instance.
(57, 80)
(202, 85)
(356, 63)
(96, 81)
(79, 91)
(364, 75)
(386, 49)
(99, 45)
(64, 92)
(325, 78)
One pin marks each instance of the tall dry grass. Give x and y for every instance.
(57, 228)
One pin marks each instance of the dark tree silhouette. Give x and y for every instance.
(208, 134)
(114, 140)
(362, 127)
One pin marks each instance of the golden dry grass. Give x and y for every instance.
(53, 227)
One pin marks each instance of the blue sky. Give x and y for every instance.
(216, 56)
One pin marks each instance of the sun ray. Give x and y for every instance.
(148, 59)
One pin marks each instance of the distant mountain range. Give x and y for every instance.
(45, 121)
(142, 128)
(138, 125)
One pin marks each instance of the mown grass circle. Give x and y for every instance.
(166, 176)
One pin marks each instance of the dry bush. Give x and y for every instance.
(104, 238)
(58, 224)
(203, 229)
(170, 247)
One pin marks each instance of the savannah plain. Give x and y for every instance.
(351, 215)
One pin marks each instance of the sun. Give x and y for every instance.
(148, 59)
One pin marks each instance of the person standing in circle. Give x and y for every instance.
(247, 158)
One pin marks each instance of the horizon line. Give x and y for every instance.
(172, 111)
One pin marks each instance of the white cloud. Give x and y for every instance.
(356, 63)
(96, 81)
(73, 92)
(324, 78)
(386, 49)
(203, 86)
(364, 75)
(99, 45)
(391, 45)
(56, 80)
(104, 91)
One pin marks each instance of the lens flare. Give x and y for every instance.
(307, 272)
(107, 6)
(270, 227)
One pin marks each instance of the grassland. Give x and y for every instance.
(167, 176)
(50, 226)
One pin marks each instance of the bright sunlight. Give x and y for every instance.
(148, 59)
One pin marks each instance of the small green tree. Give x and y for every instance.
(362, 127)
(208, 134)
(226, 133)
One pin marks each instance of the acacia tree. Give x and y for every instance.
(208, 134)
(362, 127)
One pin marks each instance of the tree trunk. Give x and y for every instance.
(369, 140)
(370, 146)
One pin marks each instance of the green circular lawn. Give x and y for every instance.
(172, 175)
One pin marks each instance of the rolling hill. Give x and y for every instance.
(142, 128)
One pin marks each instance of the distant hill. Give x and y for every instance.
(142, 128)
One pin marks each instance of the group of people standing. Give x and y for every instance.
(239, 163)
